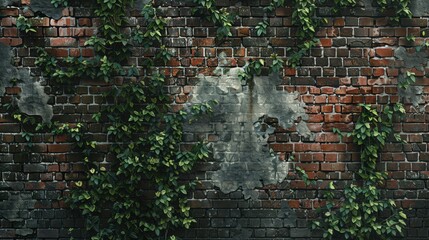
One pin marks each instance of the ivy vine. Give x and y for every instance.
(24, 25)
(221, 17)
(362, 212)
(359, 215)
(140, 193)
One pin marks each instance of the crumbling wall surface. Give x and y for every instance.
(259, 132)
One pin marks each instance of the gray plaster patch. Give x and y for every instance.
(415, 59)
(47, 8)
(32, 100)
(8, 71)
(412, 59)
(245, 158)
(419, 8)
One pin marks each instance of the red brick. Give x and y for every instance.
(384, 52)
(313, 118)
(63, 22)
(243, 32)
(308, 166)
(293, 203)
(197, 61)
(40, 22)
(34, 185)
(57, 148)
(333, 147)
(283, 12)
(332, 167)
(8, 22)
(366, 21)
(327, 108)
(326, 42)
(282, 147)
(13, 90)
(9, 12)
(84, 22)
(13, 42)
(203, 42)
(282, 42)
(53, 168)
(305, 147)
(58, 52)
(63, 42)
(327, 137)
(339, 22)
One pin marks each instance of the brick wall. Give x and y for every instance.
(360, 59)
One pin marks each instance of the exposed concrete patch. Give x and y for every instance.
(247, 162)
(32, 100)
(47, 8)
(418, 60)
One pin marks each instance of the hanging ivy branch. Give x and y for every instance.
(303, 18)
(254, 67)
(220, 17)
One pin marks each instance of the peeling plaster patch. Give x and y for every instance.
(247, 162)
(32, 100)
(418, 60)
(47, 8)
